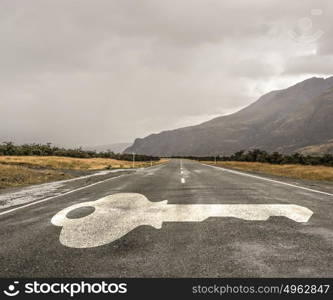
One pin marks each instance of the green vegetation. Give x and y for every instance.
(257, 155)
(9, 148)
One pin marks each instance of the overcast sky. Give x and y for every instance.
(79, 72)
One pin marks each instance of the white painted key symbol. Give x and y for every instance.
(118, 214)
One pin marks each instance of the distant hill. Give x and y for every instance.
(287, 120)
(116, 148)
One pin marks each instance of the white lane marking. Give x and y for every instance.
(36, 192)
(182, 179)
(63, 194)
(118, 214)
(271, 180)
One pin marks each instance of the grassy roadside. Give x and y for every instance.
(11, 176)
(24, 170)
(291, 171)
(69, 163)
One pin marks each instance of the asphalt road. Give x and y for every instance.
(215, 247)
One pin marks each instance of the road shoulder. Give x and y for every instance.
(15, 197)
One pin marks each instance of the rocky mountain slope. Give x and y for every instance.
(287, 120)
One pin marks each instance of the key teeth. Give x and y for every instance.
(157, 225)
(303, 214)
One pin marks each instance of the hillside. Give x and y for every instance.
(285, 120)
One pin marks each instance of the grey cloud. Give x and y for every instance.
(85, 72)
(310, 64)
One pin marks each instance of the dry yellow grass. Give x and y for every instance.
(24, 170)
(292, 171)
(68, 163)
(11, 175)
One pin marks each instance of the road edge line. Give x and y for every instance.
(72, 191)
(60, 195)
(270, 180)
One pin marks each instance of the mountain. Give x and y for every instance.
(285, 120)
(116, 148)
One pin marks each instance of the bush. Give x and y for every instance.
(257, 155)
(9, 148)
